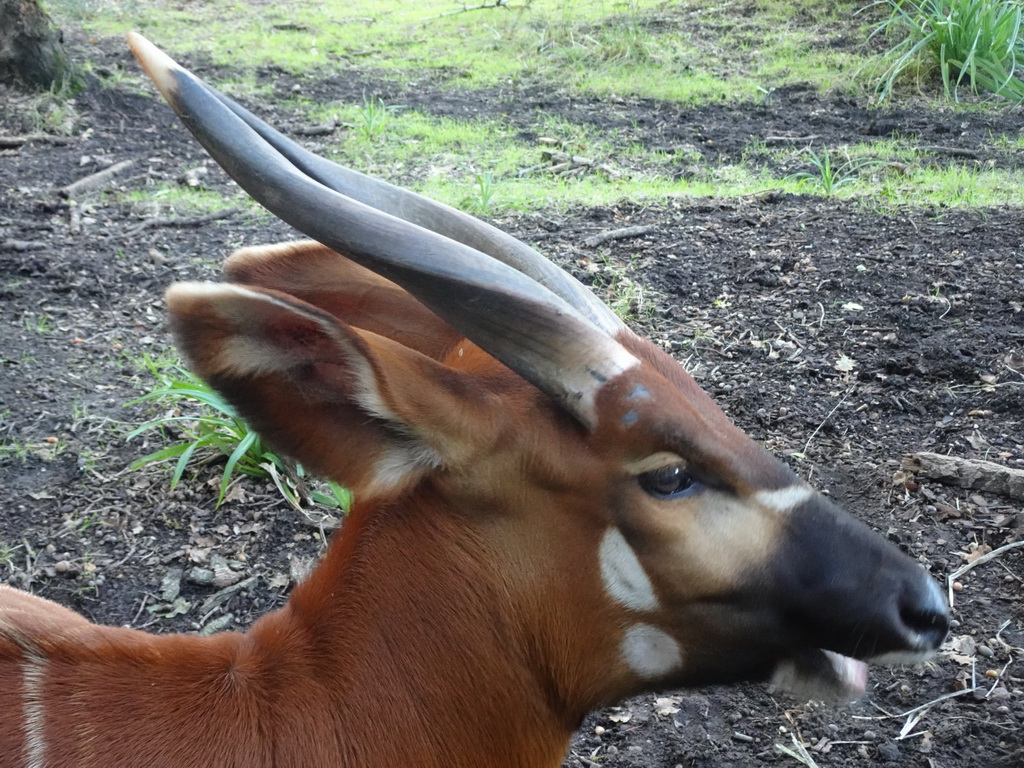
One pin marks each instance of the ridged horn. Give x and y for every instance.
(435, 216)
(525, 325)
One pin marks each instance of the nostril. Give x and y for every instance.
(929, 623)
(926, 613)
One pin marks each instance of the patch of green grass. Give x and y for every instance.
(892, 150)
(829, 174)
(199, 426)
(949, 186)
(622, 293)
(483, 166)
(176, 199)
(604, 47)
(14, 450)
(373, 116)
(52, 112)
(1005, 142)
(685, 51)
(39, 323)
(956, 186)
(974, 44)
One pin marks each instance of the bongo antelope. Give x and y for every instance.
(550, 514)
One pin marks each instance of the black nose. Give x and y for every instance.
(852, 592)
(925, 614)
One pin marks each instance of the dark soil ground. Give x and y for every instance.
(842, 338)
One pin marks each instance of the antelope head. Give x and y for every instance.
(627, 532)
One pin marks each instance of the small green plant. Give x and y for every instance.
(828, 175)
(7, 555)
(214, 430)
(976, 43)
(373, 117)
(51, 112)
(9, 448)
(622, 293)
(39, 324)
(798, 752)
(481, 202)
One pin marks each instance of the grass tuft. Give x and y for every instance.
(829, 175)
(211, 431)
(374, 116)
(975, 44)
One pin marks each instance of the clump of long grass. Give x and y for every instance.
(831, 173)
(199, 426)
(974, 44)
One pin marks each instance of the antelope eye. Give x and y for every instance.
(668, 482)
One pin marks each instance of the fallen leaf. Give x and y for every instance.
(170, 585)
(237, 493)
(977, 551)
(964, 644)
(665, 706)
(278, 581)
(169, 611)
(844, 364)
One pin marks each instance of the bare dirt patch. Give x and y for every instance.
(841, 337)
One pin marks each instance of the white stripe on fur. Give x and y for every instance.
(33, 672)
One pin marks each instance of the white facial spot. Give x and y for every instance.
(33, 674)
(784, 499)
(650, 653)
(624, 578)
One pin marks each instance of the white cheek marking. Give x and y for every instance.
(33, 674)
(625, 580)
(649, 652)
(784, 499)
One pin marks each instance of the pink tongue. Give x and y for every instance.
(822, 675)
(851, 676)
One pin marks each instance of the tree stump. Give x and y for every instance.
(32, 49)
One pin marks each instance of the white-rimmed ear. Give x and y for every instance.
(350, 404)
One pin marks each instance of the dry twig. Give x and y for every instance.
(618, 234)
(564, 164)
(182, 222)
(13, 142)
(953, 151)
(951, 578)
(317, 130)
(790, 139)
(22, 245)
(817, 429)
(94, 180)
(482, 7)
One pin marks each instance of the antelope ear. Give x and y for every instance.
(326, 279)
(353, 406)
